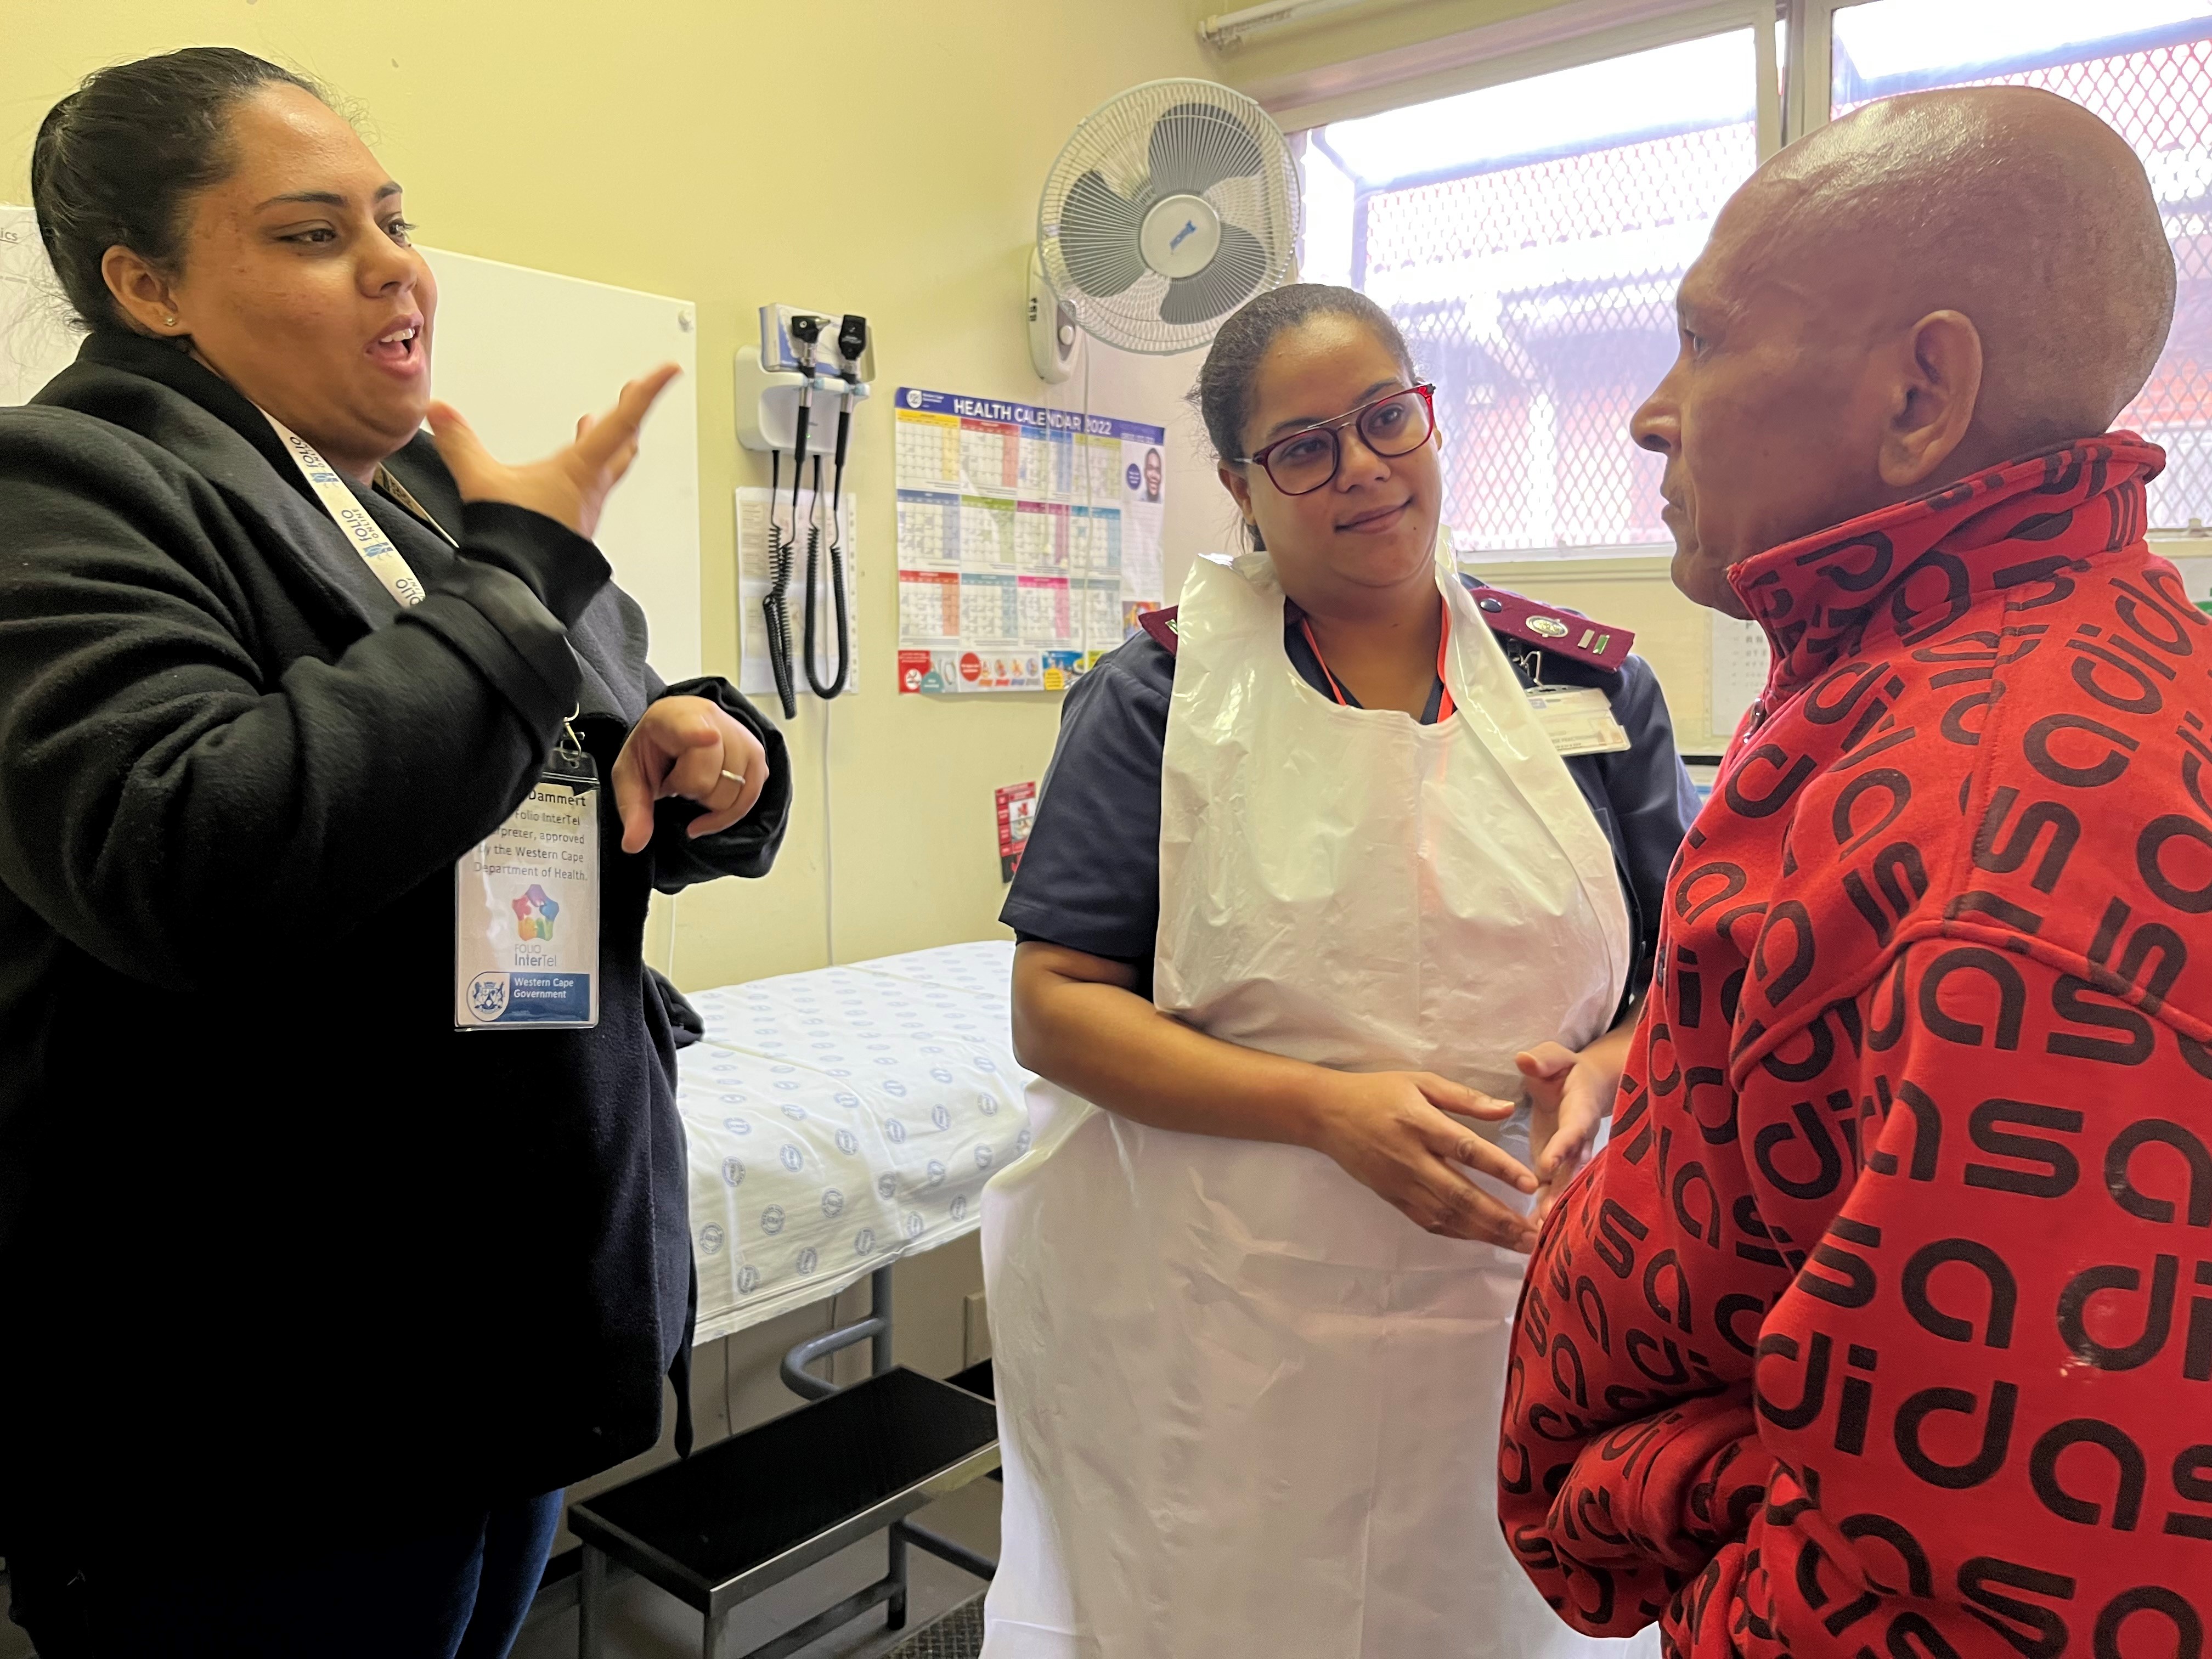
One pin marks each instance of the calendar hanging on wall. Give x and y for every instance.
(1029, 539)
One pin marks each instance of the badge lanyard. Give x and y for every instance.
(1578, 720)
(368, 537)
(527, 898)
(1445, 707)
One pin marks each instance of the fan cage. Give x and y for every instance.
(1162, 138)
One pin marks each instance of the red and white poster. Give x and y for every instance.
(1017, 809)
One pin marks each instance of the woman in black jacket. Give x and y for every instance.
(310, 1302)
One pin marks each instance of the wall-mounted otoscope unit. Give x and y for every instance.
(806, 362)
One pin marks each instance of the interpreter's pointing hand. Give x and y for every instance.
(687, 747)
(570, 485)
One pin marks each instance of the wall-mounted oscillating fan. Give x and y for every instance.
(1172, 204)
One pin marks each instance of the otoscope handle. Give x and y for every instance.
(799, 436)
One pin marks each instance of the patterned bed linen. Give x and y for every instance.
(841, 1119)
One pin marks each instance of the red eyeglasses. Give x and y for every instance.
(1396, 423)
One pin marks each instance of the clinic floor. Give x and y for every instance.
(644, 1624)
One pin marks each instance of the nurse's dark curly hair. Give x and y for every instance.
(116, 161)
(1224, 393)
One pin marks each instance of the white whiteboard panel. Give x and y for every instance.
(522, 354)
(36, 341)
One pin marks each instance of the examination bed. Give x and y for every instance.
(843, 1119)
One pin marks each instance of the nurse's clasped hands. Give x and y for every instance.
(1396, 1133)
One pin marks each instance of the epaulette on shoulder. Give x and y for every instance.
(1161, 625)
(1551, 628)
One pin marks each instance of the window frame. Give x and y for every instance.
(1811, 29)
(1574, 48)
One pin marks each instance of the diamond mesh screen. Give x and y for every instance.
(1537, 289)
(2159, 97)
(1541, 299)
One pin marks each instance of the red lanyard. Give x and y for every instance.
(1445, 706)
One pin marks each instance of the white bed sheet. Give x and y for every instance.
(842, 1119)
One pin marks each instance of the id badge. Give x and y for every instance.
(1578, 720)
(527, 909)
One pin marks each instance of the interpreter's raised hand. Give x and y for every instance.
(1396, 1133)
(571, 484)
(1570, 1094)
(690, 747)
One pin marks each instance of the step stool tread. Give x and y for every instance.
(761, 1497)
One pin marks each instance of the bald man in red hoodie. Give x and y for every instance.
(1883, 1325)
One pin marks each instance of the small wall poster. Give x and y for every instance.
(1016, 811)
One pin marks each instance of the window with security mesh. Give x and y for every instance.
(1528, 238)
(2146, 67)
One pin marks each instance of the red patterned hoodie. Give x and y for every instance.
(1884, 1324)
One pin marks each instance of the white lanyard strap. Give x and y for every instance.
(367, 536)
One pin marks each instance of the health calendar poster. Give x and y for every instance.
(1029, 539)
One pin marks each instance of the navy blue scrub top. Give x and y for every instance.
(1090, 877)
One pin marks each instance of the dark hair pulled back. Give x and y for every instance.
(1224, 393)
(116, 160)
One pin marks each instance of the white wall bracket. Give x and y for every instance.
(767, 404)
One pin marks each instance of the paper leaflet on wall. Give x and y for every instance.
(1029, 539)
(1017, 807)
(757, 676)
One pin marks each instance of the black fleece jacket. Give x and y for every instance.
(278, 1247)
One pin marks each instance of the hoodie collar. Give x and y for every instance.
(1913, 569)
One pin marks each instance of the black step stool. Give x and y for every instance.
(751, 1511)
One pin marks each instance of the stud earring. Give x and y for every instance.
(170, 321)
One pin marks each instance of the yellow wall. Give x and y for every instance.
(653, 146)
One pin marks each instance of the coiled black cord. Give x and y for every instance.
(835, 687)
(775, 607)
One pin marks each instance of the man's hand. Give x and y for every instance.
(687, 746)
(1571, 1094)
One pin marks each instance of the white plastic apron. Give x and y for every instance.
(1246, 1407)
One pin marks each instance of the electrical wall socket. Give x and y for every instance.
(975, 1330)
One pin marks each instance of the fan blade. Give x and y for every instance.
(1193, 146)
(1098, 237)
(1237, 267)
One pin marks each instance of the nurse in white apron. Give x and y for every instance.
(1251, 1289)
